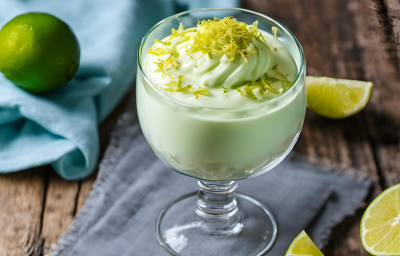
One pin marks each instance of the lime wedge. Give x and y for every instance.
(337, 98)
(304, 246)
(380, 224)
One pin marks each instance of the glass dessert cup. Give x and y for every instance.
(219, 146)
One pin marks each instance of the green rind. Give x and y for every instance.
(397, 186)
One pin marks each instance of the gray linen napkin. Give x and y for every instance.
(133, 186)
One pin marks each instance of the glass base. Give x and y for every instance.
(183, 232)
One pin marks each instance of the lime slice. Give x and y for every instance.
(380, 224)
(304, 246)
(337, 98)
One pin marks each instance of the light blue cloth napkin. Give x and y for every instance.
(60, 127)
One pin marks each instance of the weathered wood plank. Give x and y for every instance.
(21, 206)
(393, 12)
(393, 7)
(59, 209)
(383, 115)
(327, 32)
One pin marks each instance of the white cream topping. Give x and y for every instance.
(218, 72)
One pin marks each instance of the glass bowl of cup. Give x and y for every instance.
(219, 146)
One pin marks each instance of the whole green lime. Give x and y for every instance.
(38, 52)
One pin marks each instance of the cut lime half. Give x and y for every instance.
(380, 224)
(302, 245)
(337, 98)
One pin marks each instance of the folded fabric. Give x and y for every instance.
(60, 127)
(133, 186)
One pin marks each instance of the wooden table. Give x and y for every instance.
(341, 38)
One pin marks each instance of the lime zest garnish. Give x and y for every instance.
(157, 51)
(268, 88)
(249, 92)
(174, 52)
(163, 67)
(171, 61)
(286, 83)
(201, 91)
(225, 36)
(180, 32)
(264, 85)
(274, 30)
(161, 42)
(240, 91)
(160, 51)
(275, 68)
(176, 86)
(225, 91)
(222, 36)
(270, 79)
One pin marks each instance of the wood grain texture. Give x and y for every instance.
(393, 12)
(21, 207)
(59, 209)
(393, 7)
(383, 115)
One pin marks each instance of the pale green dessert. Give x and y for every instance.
(220, 105)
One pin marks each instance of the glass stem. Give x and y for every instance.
(217, 209)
